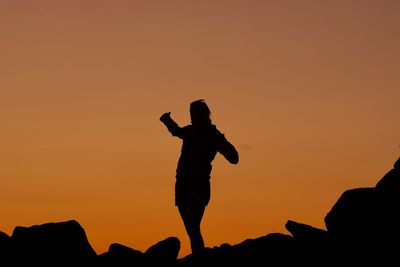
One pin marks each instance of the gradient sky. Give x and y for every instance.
(308, 91)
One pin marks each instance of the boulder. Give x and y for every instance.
(307, 235)
(119, 249)
(5, 241)
(368, 216)
(120, 256)
(389, 185)
(269, 250)
(164, 253)
(52, 244)
(314, 246)
(5, 249)
(397, 164)
(354, 216)
(364, 222)
(388, 189)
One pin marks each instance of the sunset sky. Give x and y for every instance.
(308, 92)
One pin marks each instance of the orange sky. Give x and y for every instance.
(308, 91)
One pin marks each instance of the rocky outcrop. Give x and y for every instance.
(269, 250)
(362, 230)
(5, 248)
(51, 244)
(364, 222)
(119, 256)
(164, 253)
(364, 214)
(354, 215)
(4, 241)
(389, 185)
(307, 235)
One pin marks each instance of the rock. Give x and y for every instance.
(120, 256)
(269, 250)
(314, 246)
(52, 244)
(119, 249)
(5, 249)
(4, 240)
(390, 183)
(164, 253)
(364, 222)
(368, 215)
(362, 230)
(354, 216)
(307, 235)
(388, 189)
(397, 164)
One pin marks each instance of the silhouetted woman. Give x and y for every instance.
(201, 142)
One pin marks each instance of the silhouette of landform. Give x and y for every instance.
(362, 230)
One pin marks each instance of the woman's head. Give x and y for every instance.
(199, 112)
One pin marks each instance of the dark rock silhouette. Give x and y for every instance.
(164, 253)
(5, 248)
(307, 235)
(362, 230)
(52, 244)
(368, 210)
(365, 221)
(269, 250)
(120, 256)
(354, 215)
(314, 246)
(4, 240)
(390, 183)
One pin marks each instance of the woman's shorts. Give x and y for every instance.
(192, 191)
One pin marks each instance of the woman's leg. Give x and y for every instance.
(191, 216)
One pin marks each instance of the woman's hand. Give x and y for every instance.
(165, 116)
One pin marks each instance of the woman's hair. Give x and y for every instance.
(199, 112)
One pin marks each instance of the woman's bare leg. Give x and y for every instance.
(191, 216)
